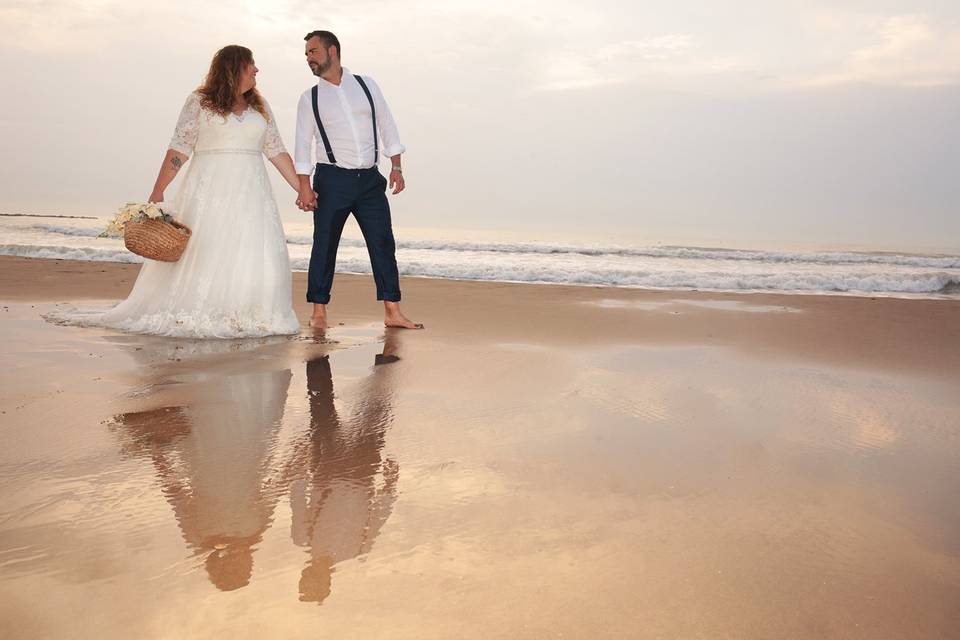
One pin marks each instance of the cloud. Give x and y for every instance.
(37, 26)
(665, 57)
(900, 35)
(822, 48)
(902, 50)
(92, 26)
(656, 48)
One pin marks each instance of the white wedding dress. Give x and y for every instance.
(234, 279)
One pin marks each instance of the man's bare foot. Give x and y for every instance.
(318, 321)
(392, 317)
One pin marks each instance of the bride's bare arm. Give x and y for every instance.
(284, 164)
(172, 163)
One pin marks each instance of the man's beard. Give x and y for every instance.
(320, 68)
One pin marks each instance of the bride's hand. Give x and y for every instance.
(156, 197)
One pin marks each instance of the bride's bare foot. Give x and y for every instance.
(318, 321)
(392, 317)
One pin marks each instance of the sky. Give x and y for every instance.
(744, 123)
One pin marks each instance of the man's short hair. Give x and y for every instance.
(326, 37)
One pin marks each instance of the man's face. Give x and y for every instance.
(318, 56)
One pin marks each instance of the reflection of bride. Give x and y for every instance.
(213, 459)
(339, 503)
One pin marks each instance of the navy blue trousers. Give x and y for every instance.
(361, 192)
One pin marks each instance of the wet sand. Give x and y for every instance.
(542, 462)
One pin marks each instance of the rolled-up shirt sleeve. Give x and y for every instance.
(303, 140)
(390, 144)
(187, 131)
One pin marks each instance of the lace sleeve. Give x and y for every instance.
(188, 126)
(272, 142)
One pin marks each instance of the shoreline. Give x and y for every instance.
(853, 272)
(948, 296)
(851, 330)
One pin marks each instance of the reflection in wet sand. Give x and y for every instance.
(345, 488)
(218, 462)
(213, 459)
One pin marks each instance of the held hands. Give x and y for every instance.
(396, 182)
(307, 200)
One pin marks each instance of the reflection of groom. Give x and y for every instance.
(348, 119)
(338, 505)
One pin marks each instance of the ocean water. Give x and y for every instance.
(457, 256)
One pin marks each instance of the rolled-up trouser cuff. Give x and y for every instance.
(388, 297)
(317, 298)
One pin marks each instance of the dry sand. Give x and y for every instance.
(541, 462)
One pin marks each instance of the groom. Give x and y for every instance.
(346, 119)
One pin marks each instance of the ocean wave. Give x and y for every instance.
(685, 253)
(66, 231)
(344, 242)
(858, 283)
(854, 281)
(674, 252)
(92, 254)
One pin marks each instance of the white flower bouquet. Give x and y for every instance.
(135, 212)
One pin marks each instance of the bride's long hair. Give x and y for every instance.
(222, 85)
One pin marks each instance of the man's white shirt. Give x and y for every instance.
(345, 113)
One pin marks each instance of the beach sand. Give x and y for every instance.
(541, 462)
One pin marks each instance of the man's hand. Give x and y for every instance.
(307, 200)
(396, 182)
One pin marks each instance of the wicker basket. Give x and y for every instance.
(156, 239)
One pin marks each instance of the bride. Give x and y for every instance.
(233, 279)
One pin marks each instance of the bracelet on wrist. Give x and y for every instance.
(397, 169)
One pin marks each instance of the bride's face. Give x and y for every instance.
(248, 77)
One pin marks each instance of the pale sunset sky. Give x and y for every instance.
(746, 123)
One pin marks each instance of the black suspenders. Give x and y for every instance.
(323, 134)
(373, 113)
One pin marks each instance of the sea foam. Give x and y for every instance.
(657, 267)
